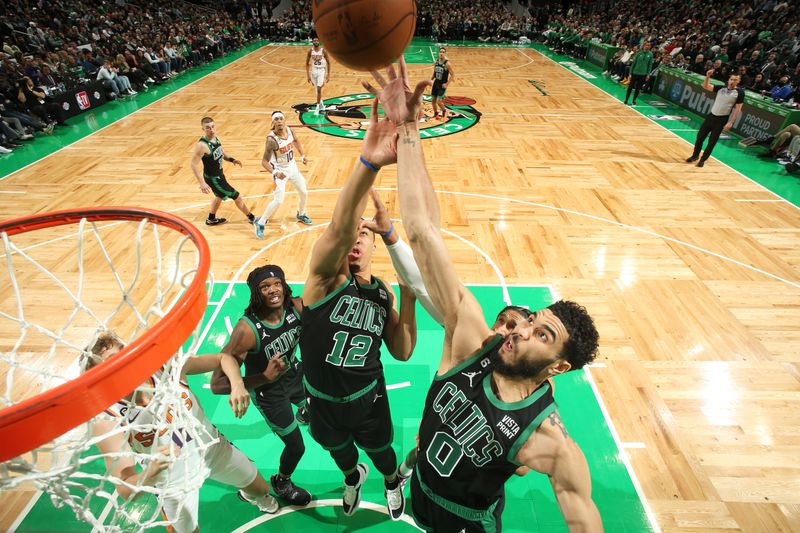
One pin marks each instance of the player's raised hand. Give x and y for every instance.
(399, 104)
(381, 222)
(380, 142)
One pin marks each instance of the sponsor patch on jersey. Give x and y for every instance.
(348, 116)
(290, 318)
(383, 294)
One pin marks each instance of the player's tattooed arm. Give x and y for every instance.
(269, 147)
(555, 420)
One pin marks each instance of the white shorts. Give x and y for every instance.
(318, 77)
(227, 465)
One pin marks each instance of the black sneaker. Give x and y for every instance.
(352, 493)
(301, 416)
(290, 492)
(701, 163)
(395, 501)
(691, 159)
(767, 155)
(215, 221)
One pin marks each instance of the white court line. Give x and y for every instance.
(134, 112)
(12, 192)
(632, 445)
(664, 127)
(402, 385)
(228, 325)
(758, 201)
(433, 57)
(624, 456)
(411, 68)
(25, 511)
(504, 287)
(493, 198)
(319, 503)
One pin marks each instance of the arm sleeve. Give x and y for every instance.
(407, 269)
(740, 96)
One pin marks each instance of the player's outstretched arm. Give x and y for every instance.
(330, 251)
(551, 451)
(465, 327)
(401, 254)
(401, 329)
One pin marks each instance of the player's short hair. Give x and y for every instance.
(442, 49)
(206, 120)
(93, 354)
(581, 346)
(524, 311)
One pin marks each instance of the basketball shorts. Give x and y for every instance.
(275, 400)
(366, 421)
(294, 176)
(431, 516)
(227, 465)
(220, 187)
(437, 90)
(318, 77)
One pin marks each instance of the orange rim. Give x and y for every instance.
(40, 419)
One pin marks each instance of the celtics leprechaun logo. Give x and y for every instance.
(348, 116)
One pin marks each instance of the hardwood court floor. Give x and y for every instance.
(693, 279)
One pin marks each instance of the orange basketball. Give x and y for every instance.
(365, 34)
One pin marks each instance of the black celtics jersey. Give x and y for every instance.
(341, 340)
(278, 340)
(440, 72)
(212, 162)
(468, 438)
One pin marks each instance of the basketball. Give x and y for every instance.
(364, 34)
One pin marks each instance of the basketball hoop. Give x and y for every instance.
(40, 419)
(123, 284)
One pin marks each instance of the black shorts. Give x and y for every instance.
(220, 187)
(438, 90)
(366, 421)
(430, 516)
(275, 400)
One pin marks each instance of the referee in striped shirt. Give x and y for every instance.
(727, 106)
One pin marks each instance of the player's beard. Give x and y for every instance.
(519, 369)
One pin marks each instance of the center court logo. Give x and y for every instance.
(348, 116)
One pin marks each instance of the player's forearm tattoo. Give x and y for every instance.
(555, 420)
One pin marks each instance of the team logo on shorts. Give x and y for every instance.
(348, 116)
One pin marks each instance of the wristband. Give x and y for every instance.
(391, 229)
(368, 164)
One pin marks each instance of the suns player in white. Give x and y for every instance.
(221, 461)
(279, 158)
(318, 69)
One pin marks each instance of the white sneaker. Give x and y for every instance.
(4, 150)
(352, 493)
(266, 503)
(395, 501)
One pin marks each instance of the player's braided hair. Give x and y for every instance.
(258, 275)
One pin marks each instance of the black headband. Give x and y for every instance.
(269, 271)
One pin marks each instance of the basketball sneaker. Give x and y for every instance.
(403, 478)
(215, 221)
(286, 489)
(259, 229)
(266, 503)
(352, 493)
(395, 501)
(304, 219)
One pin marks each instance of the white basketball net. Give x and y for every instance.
(56, 298)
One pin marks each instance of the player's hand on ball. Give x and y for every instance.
(275, 369)
(399, 104)
(239, 400)
(380, 142)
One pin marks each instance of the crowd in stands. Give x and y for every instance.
(49, 46)
(758, 40)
